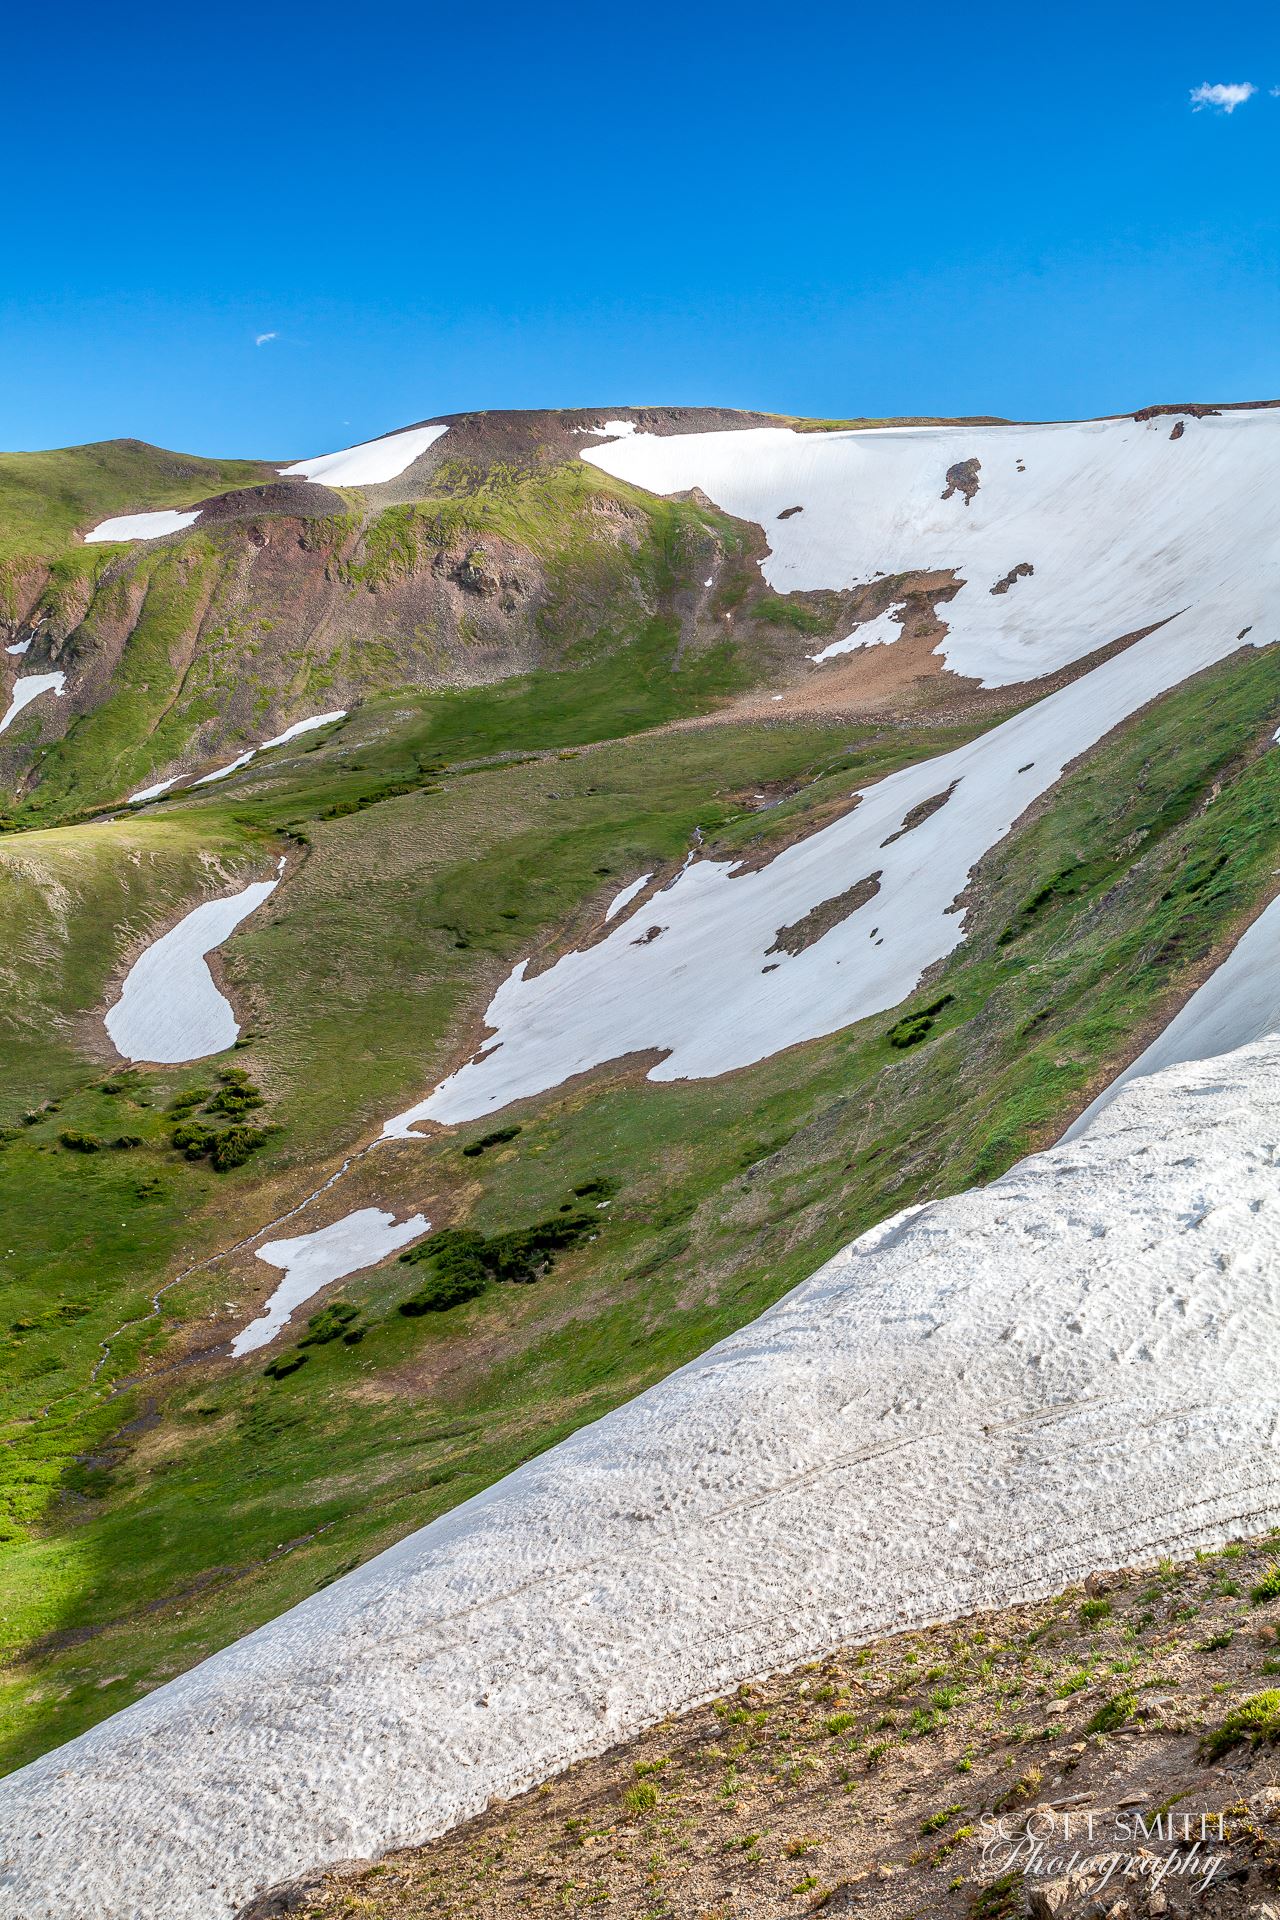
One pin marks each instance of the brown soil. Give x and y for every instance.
(963, 478)
(904, 1778)
(827, 914)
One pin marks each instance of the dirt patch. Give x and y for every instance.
(963, 478)
(917, 815)
(1023, 571)
(826, 915)
(911, 1777)
(302, 499)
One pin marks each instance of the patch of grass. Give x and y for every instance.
(1256, 1722)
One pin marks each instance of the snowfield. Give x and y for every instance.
(315, 1260)
(169, 1009)
(141, 526)
(712, 991)
(1122, 524)
(943, 1418)
(29, 688)
(369, 464)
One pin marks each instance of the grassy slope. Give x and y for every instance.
(240, 1494)
(47, 498)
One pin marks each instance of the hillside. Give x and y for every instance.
(490, 912)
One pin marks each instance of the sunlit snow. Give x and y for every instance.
(141, 526)
(314, 1260)
(29, 688)
(169, 1009)
(370, 463)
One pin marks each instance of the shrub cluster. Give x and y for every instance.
(463, 1262)
(226, 1147)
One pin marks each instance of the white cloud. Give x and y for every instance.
(1227, 97)
(261, 339)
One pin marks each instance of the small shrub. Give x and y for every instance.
(1256, 1720)
(1093, 1611)
(126, 1142)
(1268, 1588)
(285, 1364)
(495, 1139)
(331, 1323)
(80, 1142)
(1113, 1713)
(915, 1027)
(935, 1822)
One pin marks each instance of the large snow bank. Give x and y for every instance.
(29, 688)
(314, 1260)
(713, 992)
(141, 526)
(169, 1009)
(371, 462)
(943, 1418)
(1122, 524)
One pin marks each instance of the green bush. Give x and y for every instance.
(1256, 1720)
(125, 1142)
(495, 1139)
(463, 1262)
(331, 1323)
(285, 1364)
(915, 1027)
(80, 1142)
(1268, 1588)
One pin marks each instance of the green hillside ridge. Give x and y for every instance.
(157, 1513)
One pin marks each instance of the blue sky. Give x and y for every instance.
(811, 209)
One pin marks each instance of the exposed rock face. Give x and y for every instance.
(963, 478)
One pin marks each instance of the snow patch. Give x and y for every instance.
(370, 463)
(699, 995)
(141, 526)
(169, 1009)
(29, 688)
(880, 632)
(290, 733)
(314, 1260)
(151, 793)
(628, 893)
(614, 430)
(19, 646)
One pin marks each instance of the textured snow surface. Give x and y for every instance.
(371, 462)
(169, 1009)
(1238, 1003)
(1122, 525)
(141, 526)
(620, 900)
(29, 688)
(698, 992)
(313, 1260)
(943, 1418)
